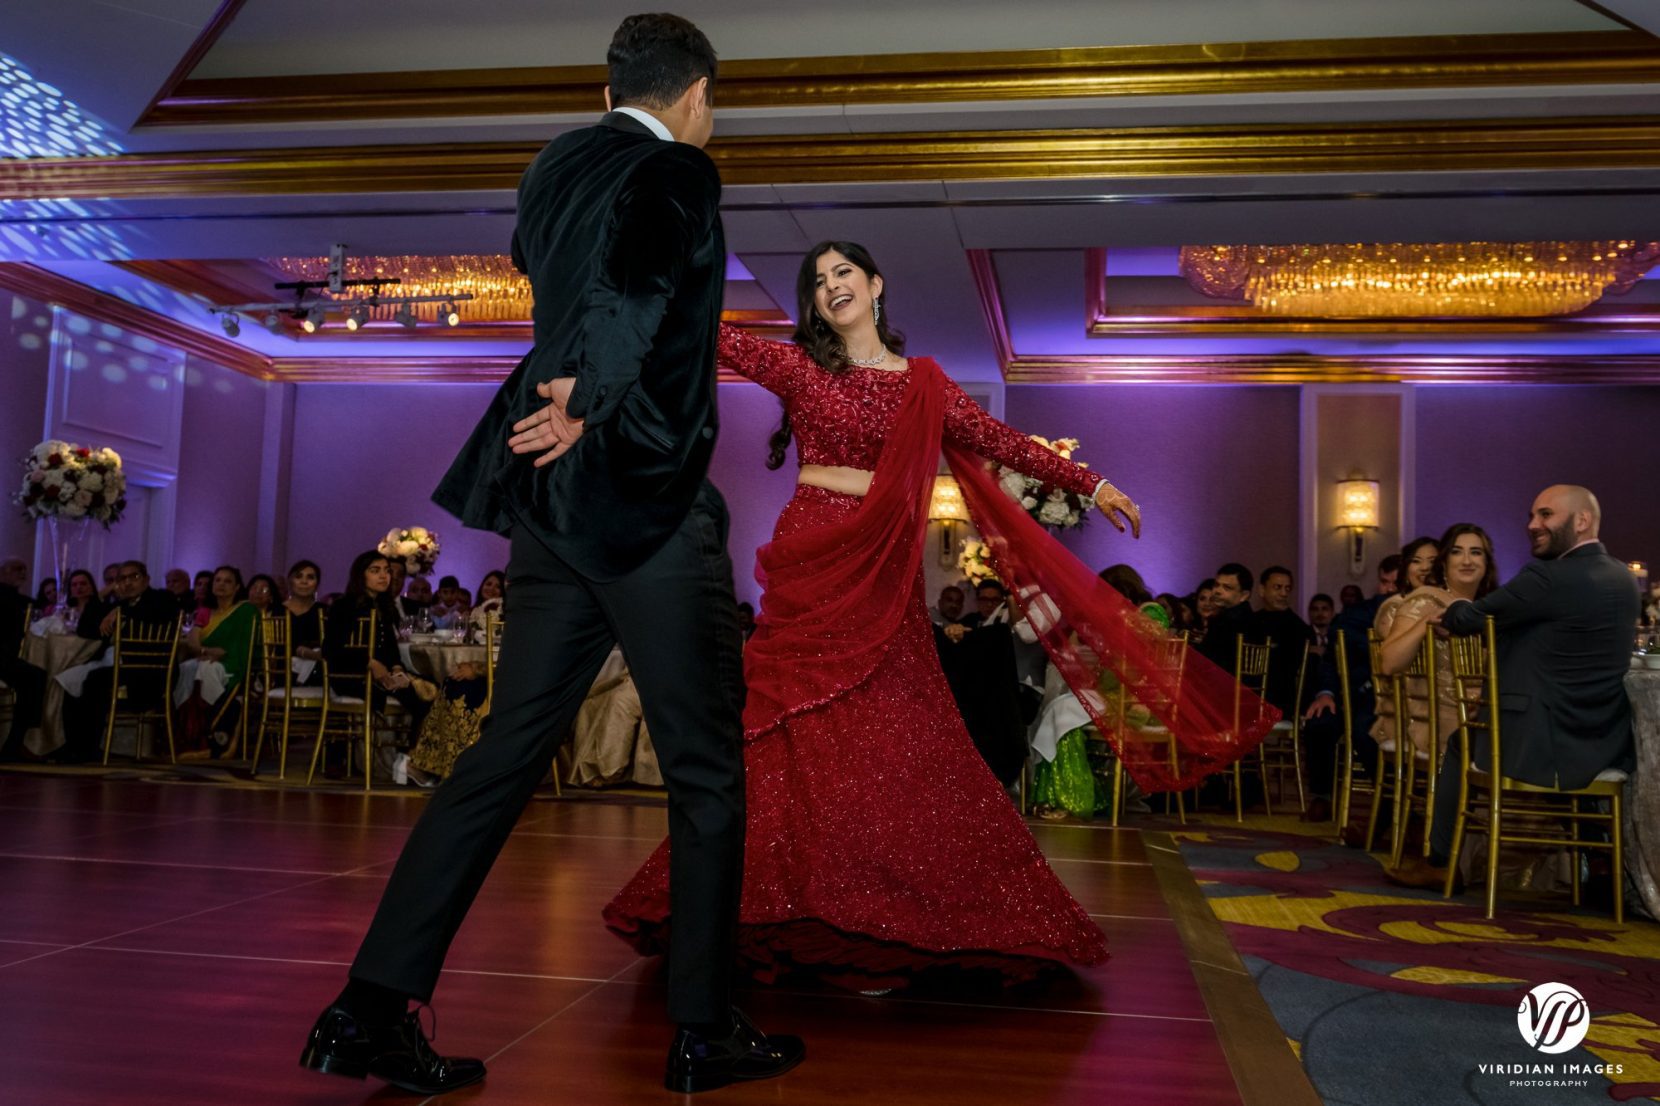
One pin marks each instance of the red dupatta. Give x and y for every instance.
(836, 594)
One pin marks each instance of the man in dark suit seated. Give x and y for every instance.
(85, 715)
(27, 681)
(978, 656)
(1564, 641)
(1233, 619)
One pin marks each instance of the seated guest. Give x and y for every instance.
(368, 590)
(81, 593)
(201, 590)
(448, 606)
(1203, 602)
(1182, 617)
(492, 596)
(1352, 622)
(27, 681)
(1321, 610)
(978, 656)
(305, 613)
(88, 687)
(46, 597)
(1350, 595)
(1276, 622)
(1233, 619)
(262, 594)
(415, 601)
(949, 608)
(177, 584)
(746, 619)
(1564, 642)
(1417, 561)
(222, 641)
(108, 592)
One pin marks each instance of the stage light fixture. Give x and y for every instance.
(451, 316)
(313, 320)
(357, 317)
(406, 316)
(273, 322)
(231, 325)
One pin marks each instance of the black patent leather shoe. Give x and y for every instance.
(698, 1063)
(399, 1053)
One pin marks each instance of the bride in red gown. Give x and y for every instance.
(878, 843)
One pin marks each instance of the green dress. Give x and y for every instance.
(1069, 781)
(234, 633)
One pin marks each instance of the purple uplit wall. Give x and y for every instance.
(366, 459)
(217, 512)
(1213, 468)
(754, 496)
(25, 356)
(1484, 453)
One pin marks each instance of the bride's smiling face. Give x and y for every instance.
(844, 295)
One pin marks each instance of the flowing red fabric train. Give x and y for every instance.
(1090, 631)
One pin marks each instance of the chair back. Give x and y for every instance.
(1475, 673)
(1170, 662)
(28, 620)
(492, 649)
(1415, 696)
(1344, 707)
(144, 647)
(361, 641)
(276, 654)
(1250, 673)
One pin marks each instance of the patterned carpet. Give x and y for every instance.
(1393, 996)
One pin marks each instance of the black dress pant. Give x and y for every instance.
(676, 620)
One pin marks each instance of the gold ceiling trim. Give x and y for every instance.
(1240, 150)
(1102, 320)
(1231, 68)
(1643, 369)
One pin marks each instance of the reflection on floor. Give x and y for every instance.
(170, 941)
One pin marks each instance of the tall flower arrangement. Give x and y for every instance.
(1053, 507)
(416, 546)
(72, 482)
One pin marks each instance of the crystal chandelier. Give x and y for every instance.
(1419, 279)
(500, 293)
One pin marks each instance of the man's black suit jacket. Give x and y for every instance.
(620, 235)
(1222, 634)
(1564, 642)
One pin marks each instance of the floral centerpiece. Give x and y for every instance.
(974, 562)
(1053, 507)
(416, 546)
(72, 482)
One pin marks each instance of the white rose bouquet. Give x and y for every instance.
(1053, 507)
(68, 481)
(974, 562)
(416, 546)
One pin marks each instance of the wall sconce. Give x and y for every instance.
(1639, 569)
(947, 508)
(1357, 512)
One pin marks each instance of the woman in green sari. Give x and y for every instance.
(1067, 785)
(223, 641)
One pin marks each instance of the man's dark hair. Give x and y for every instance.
(1238, 572)
(1276, 570)
(138, 566)
(448, 582)
(1319, 597)
(997, 585)
(1391, 563)
(654, 58)
(952, 587)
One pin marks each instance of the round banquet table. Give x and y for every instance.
(438, 662)
(54, 653)
(1642, 793)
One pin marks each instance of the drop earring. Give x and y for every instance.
(878, 309)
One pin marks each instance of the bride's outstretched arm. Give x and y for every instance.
(779, 367)
(967, 424)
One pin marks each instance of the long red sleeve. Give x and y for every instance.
(967, 424)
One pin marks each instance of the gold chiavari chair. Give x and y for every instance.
(144, 653)
(352, 704)
(1172, 663)
(1475, 669)
(1388, 771)
(1282, 751)
(1250, 674)
(1344, 766)
(279, 689)
(1415, 694)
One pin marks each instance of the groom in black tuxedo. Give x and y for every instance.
(592, 458)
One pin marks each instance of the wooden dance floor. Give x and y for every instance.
(166, 942)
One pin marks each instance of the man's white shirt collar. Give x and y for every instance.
(654, 124)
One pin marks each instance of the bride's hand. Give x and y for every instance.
(1114, 503)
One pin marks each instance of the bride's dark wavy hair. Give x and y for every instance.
(815, 336)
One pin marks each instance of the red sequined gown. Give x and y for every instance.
(879, 845)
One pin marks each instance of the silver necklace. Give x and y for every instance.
(868, 362)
